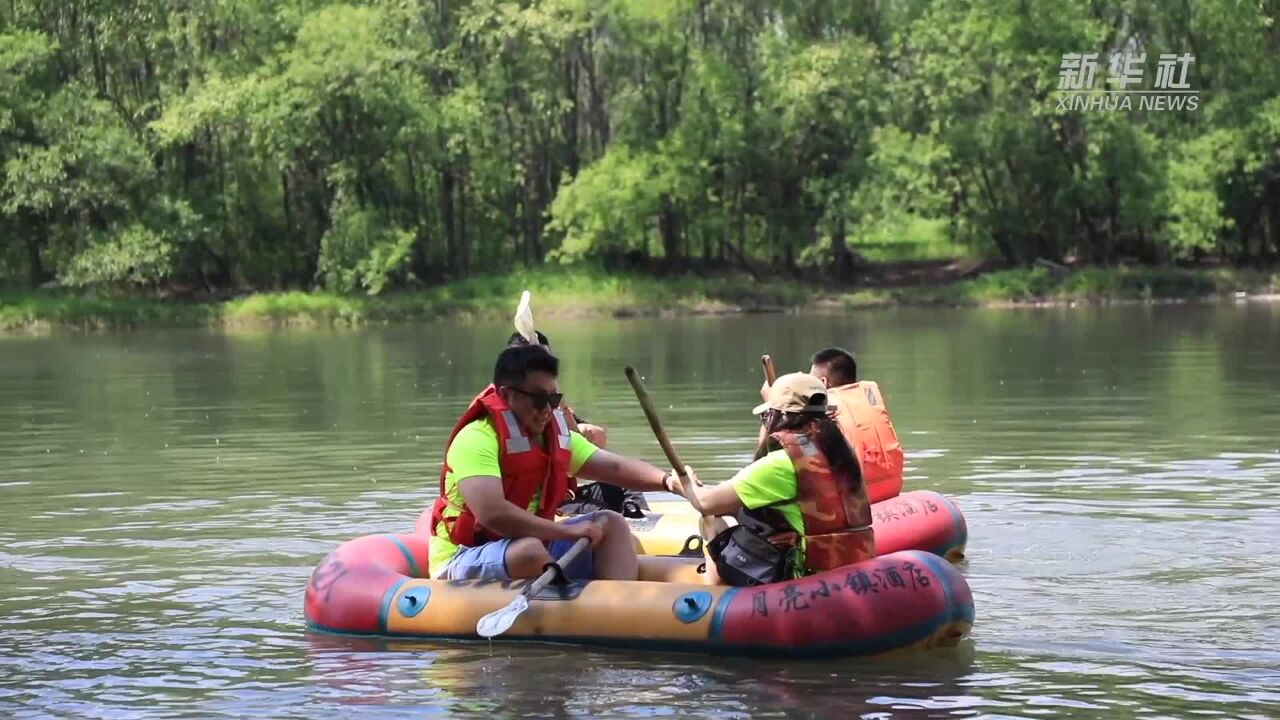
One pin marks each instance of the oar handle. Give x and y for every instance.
(770, 372)
(557, 565)
(656, 424)
(646, 403)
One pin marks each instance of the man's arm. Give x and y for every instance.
(483, 496)
(625, 472)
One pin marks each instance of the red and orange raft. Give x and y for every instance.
(908, 598)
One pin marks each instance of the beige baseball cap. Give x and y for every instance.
(795, 392)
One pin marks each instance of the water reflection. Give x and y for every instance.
(543, 680)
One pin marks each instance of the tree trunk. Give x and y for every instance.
(843, 259)
(740, 218)
(464, 239)
(597, 111)
(36, 273)
(446, 216)
(421, 262)
(569, 121)
(288, 206)
(668, 226)
(1271, 223)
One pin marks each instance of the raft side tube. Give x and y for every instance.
(347, 590)
(900, 602)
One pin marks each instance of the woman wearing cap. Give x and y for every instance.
(800, 507)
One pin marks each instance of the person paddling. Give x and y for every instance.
(508, 466)
(800, 508)
(863, 417)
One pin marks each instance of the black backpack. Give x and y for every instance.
(603, 496)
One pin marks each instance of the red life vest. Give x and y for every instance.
(864, 419)
(527, 468)
(837, 515)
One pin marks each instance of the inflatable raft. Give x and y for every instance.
(899, 602)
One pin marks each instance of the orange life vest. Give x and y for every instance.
(527, 468)
(864, 418)
(837, 515)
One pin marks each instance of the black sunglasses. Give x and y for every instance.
(540, 400)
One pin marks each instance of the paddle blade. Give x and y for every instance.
(524, 319)
(500, 621)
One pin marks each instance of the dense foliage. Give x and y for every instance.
(295, 143)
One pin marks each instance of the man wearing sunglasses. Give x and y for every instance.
(507, 468)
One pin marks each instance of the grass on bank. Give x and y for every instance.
(1040, 285)
(593, 293)
(37, 309)
(576, 292)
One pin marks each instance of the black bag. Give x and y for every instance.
(745, 556)
(603, 496)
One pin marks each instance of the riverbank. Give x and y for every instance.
(589, 293)
(1058, 285)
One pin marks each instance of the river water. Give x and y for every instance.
(165, 495)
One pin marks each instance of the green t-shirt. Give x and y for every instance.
(474, 452)
(771, 482)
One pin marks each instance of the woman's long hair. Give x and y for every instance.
(822, 430)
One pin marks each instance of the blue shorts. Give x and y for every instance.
(489, 561)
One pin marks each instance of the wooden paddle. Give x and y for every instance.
(656, 424)
(770, 372)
